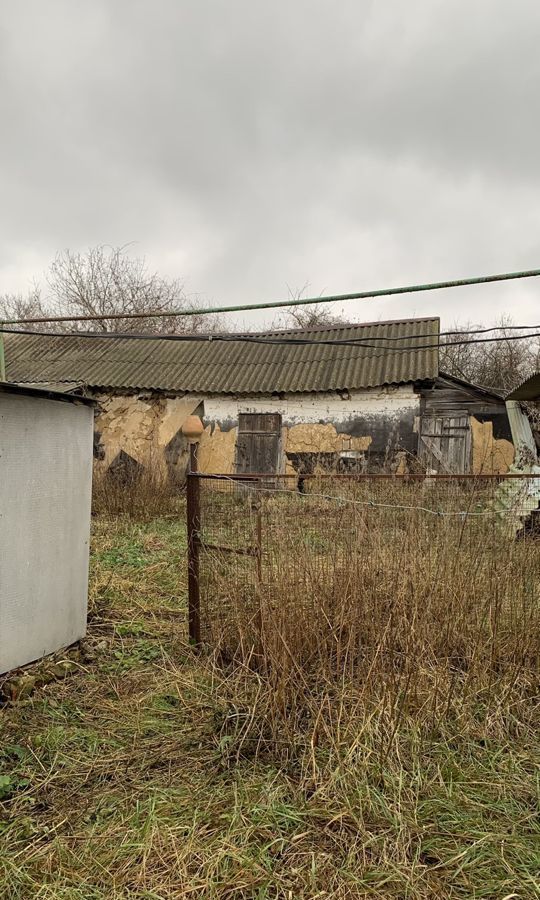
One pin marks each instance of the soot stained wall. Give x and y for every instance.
(327, 430)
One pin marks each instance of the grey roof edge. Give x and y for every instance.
(231, 335)
(62, 387)
(527, 390)
(341, 326)
(24, 390)
(244, 392)
(471, 384)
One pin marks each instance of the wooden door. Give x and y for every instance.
(444, 443)
(258, 444)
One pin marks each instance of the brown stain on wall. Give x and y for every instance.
(490, 455)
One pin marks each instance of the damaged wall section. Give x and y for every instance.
(320, 431)
(369, 430)
(491, 447)
(135, 432)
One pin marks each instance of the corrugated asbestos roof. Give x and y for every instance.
(528, 390)
(232, 366)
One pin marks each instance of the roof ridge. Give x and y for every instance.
(312, 329)
(341, 326)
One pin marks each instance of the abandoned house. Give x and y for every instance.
(361, 397)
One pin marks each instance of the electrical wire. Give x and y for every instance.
(382, 343)
(287, 333)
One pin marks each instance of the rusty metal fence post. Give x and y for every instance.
(193, 509)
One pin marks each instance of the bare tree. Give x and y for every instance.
(316, 316)
(313, 315)
(107, 281)
(25, 306)
(499, 365)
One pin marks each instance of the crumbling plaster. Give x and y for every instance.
(490, 455)
(141, 427)
(326, 423)
(147, 427)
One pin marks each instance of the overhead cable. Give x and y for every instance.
(274, 335)
(281, 342)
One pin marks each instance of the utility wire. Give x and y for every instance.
(276, 304)
(282, 342)
(288, 335)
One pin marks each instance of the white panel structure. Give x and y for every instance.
(45, 495)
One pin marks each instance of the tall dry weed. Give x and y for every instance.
(398, 599)
(137, 492)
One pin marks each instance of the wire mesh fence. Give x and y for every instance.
(323, 564)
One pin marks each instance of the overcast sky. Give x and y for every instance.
(245, 145)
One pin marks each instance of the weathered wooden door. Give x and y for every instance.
(444, 443)
(258, 444)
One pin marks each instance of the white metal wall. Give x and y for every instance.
(45, 494)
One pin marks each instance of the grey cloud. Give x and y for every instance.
(247, 145)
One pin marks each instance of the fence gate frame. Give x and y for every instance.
(193, 511)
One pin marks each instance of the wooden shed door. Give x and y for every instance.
(445, 443)
(258, 445)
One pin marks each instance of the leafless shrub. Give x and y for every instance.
(24, 306)
(109, 281)
(313, 315)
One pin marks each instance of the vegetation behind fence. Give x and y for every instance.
(417, 588)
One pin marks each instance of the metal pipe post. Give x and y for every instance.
(193, 504)
(2, 356)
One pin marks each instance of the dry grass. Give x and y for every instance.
(140, 494)
(321, 761)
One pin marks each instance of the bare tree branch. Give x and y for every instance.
(29, 306)
(500, 366)
(311, 316)
(108, 280)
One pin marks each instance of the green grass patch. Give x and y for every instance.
(125, 780)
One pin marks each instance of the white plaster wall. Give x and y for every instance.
(311, 408)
